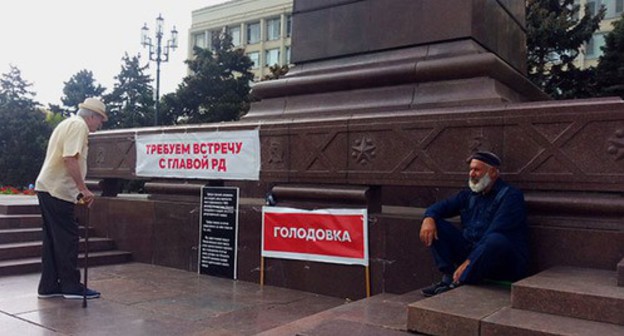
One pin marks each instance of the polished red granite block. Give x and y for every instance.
(620, 273)
(516, 322)
(456, 312)
(584, 293)
(142, 299)
(373, 25)
(380, 313)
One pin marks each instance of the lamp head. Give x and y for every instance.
(144, 35)
(160, 22)
(174, 38)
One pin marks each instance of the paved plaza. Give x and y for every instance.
(142, 299)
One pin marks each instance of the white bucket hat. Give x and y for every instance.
(95, 105)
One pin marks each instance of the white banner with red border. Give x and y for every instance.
(337, 236)
(232, 155)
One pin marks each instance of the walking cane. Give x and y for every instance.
(86, 212)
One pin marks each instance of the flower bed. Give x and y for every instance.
(8, 190)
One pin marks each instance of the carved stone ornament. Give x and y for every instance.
(100, 155)
(276, 152)
(479, 142)
(616, 145)
(363, 150)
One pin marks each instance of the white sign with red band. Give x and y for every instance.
(231, 155)
(337, 236)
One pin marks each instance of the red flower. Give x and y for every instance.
(8, 190)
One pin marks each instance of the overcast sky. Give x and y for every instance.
(51, 40)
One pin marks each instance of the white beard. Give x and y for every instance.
(480, 185)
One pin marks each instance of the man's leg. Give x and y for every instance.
(450, 249)
(495, 258)
(48, 284)
(64, 233)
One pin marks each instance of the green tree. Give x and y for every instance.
(555, 34)
(80, 86)
(276, 71)
(171, 109)
(53, 119)
(610, 69)
(131, 103)
(24, 131)
(217, 88)
(15, 91)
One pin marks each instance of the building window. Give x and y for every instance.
(235, 33)
(287, 55)
(214, 39)
(594, 46)
(272, 57)
(288, 25)
(273, 29)
(199, 40)
(593, 6)
(613, 8)
(253, 33)
(589, 48)
(255, 58)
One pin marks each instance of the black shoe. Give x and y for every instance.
(80, 292)
(435, 289)
(447, 288)
(49, 295)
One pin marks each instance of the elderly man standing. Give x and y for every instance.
(60, 184)
(492, 242)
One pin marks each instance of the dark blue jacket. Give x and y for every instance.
(502, 210)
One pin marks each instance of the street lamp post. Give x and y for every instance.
(161, 54)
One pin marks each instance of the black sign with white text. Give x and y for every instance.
(218, 231)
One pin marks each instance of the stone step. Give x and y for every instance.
(379, 315)
(584, 293)
(33, 249)
(20, 207)
(516, 322)
(620, 273)
(456, 312)
(33, 265)
(19, 221)
(8, 236)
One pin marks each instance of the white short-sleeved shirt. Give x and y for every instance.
(69, 138)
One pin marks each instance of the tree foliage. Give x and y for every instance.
(555, 34)
(217, 88)
(131, 103)
(53, 118)
(276, 71)
(15, 92)
(24, 131)
(610, 70)
(80, 86)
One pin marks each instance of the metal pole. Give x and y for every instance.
(158, 60)
(157, 91)
(85, 224)
(86, 254)
(156, 55)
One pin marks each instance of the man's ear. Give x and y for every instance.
(494, 172)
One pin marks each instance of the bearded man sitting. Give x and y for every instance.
(492, 241)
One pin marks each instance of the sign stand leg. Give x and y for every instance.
(261, 271)
(367, 270)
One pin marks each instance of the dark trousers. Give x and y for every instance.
(494, 257)
(59, 261)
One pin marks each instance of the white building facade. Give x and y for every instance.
(261, 27)
(614, 9)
